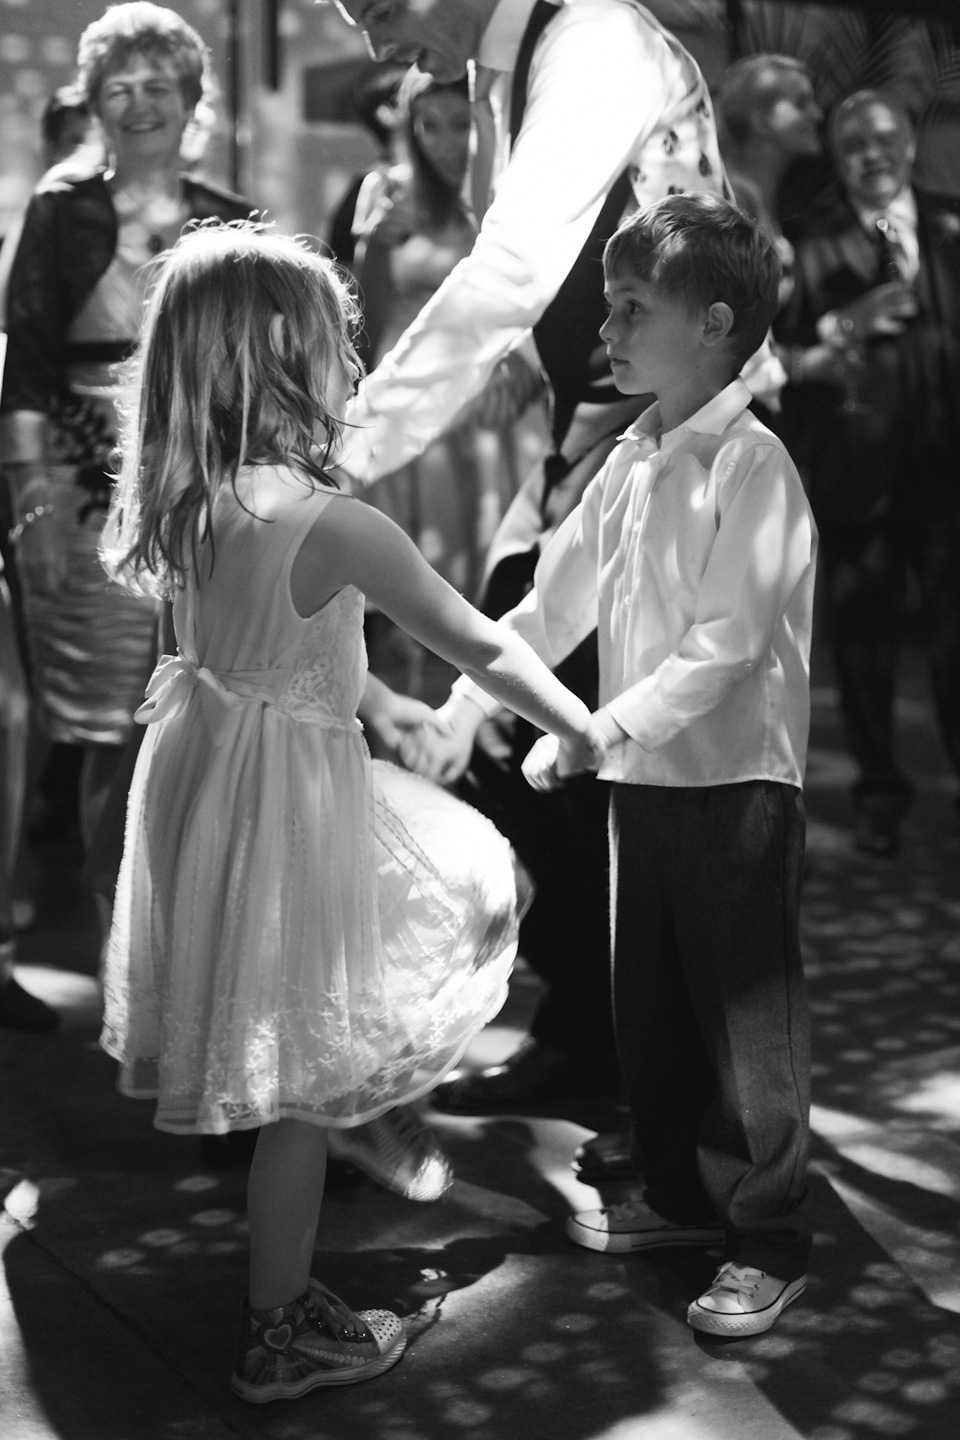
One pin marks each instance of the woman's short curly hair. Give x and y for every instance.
(141, 28)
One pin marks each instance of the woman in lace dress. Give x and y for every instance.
(302, 938)
(76, 295)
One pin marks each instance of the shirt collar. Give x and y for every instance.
(711, 419)
(500, 44)
(902, 210)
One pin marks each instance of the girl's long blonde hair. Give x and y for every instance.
(241, 335)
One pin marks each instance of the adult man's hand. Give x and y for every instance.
(881, 311)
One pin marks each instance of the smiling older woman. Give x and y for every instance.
(76, 291)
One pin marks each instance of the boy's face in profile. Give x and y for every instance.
(653, 339)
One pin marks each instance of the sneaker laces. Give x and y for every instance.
(629, 1210)
(337, 1316)
(738, 1279)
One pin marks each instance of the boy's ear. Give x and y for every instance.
(718, 323)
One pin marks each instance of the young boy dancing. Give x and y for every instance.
(693, 551)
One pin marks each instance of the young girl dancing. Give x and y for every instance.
(302, 938)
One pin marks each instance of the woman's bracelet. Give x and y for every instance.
(29, 482)
(31, 518)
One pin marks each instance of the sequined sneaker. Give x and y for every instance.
(313, 1341)
(634, 1226)
(399, 1151)
(743, 1301)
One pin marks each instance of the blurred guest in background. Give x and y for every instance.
(76, 290)
(872, 414)
(375, 99)
(19, 1009)
(417, 227)
(768, 117)
(66, 125)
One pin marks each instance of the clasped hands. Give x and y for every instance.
(552, 761)
(442, 752)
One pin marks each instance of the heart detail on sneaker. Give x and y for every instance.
(277, 1337)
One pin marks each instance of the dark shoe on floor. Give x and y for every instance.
(742, 1301)
(24, 915)
(877, 828)
(314, 1341)
(880, 841)
(534, 1073)
(605, 1159)
(19, 1010)
(619, 1229)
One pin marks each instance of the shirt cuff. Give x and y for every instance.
(611, 731)
(645, 718)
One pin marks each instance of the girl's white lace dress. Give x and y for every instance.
(298, 931)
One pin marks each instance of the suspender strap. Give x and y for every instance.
(540, 18)
(566, 334)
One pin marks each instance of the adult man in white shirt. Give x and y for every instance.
(585, 110)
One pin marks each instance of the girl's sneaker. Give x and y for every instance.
(313, 1341)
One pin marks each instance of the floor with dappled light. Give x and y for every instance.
(124, 1257)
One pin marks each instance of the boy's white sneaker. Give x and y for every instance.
(634, 1226)
(743, 1301)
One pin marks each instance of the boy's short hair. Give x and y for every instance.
(703, 249)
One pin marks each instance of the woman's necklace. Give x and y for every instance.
(148, 222)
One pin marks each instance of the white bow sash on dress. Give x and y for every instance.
(176, 677)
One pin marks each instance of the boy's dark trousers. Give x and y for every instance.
(710, 1008)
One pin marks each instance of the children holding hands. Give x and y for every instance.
(303, 938)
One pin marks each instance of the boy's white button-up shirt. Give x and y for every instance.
(693, 553)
